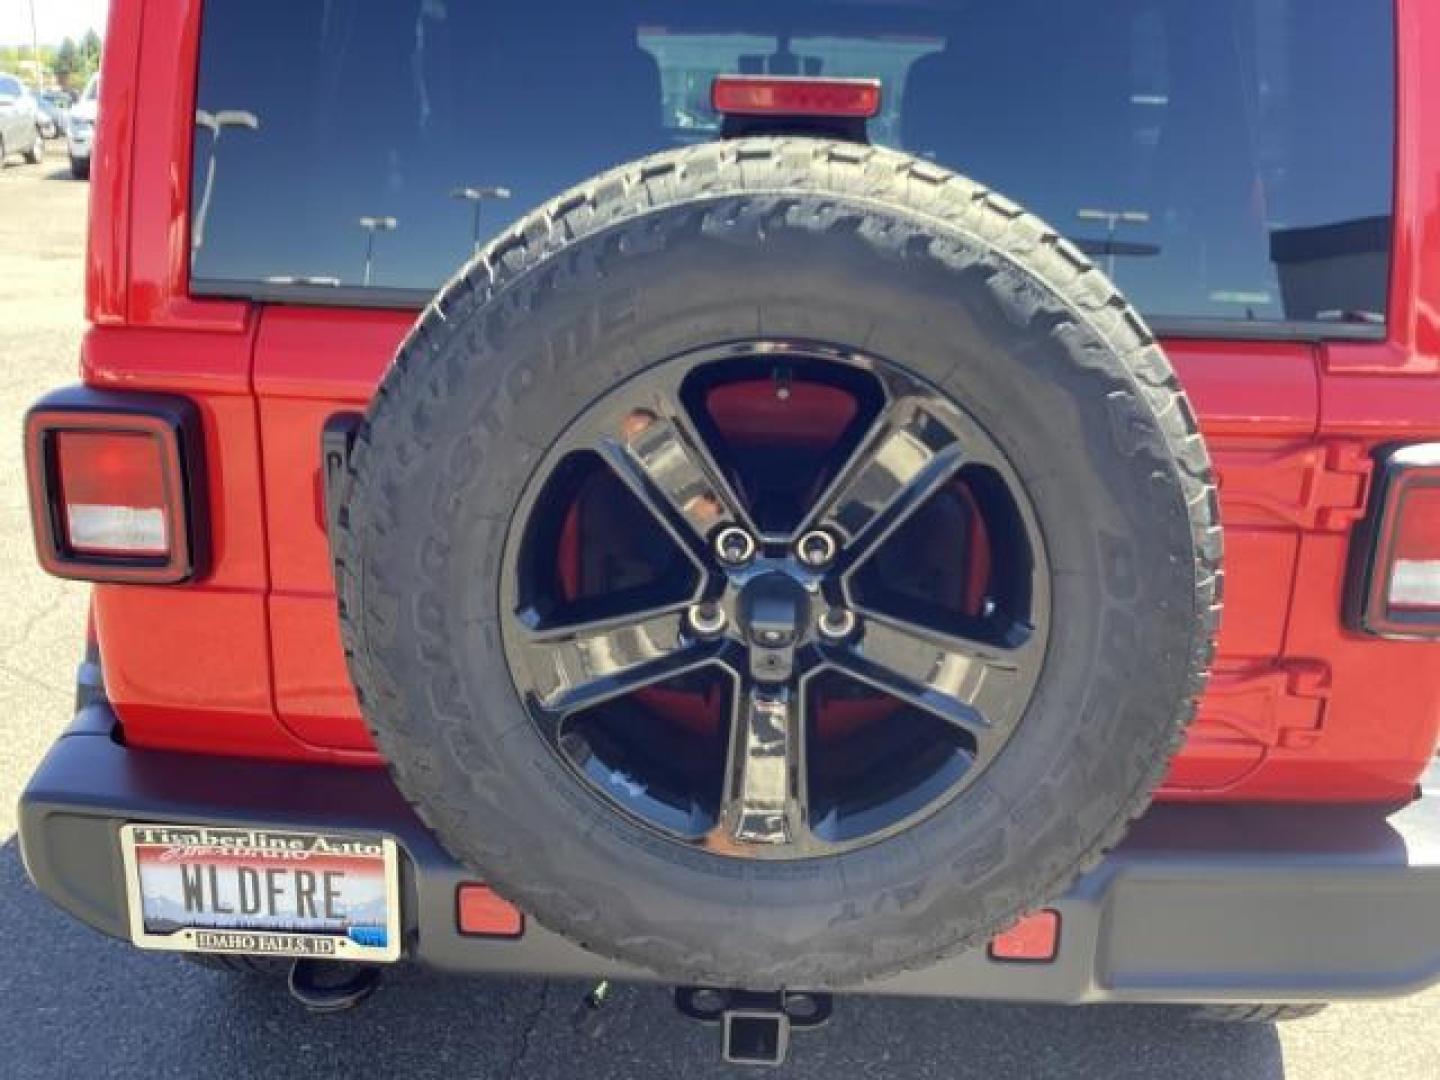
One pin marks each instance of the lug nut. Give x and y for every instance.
(636, 423)
(734, 546)
(707, 619)
(816, 549)
(837, 623)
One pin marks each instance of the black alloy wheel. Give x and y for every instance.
(726, 606)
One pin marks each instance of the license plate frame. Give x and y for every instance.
(219, 855)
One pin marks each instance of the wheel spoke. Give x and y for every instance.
(905, 457)
(575, 667)
(973, 686)
(661, 456)
(763, 772)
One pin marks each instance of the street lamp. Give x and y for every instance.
(35, 49)
(215, 123)
(372, 225)
(476, 196)
(1112, 220)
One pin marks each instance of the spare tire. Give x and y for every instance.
(779, 562)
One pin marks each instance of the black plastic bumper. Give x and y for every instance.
(1200, 903)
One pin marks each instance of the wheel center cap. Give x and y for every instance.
(774, 610)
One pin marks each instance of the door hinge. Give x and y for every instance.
(1317, 488)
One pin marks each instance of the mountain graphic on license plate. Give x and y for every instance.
(196, 888)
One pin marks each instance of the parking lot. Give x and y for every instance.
(74, 1003)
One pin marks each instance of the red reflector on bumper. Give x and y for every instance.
(769, 95)
(479, 911)
(1035, 938)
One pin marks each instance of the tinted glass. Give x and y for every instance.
(1224, 159)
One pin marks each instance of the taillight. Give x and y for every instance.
(1396, 586)
(1415, 569)
(769, 95)
(112, 492)
(115, 486)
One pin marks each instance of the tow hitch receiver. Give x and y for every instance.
(330, 986)
(755, 1025)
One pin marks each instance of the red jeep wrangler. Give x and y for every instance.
(585, 489)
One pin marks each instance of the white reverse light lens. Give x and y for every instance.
(122, 530)
(1415, 583)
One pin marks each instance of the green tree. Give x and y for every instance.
(90, 49)
(68, 62)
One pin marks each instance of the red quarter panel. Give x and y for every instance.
(187, 665)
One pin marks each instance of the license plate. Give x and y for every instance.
(195, 888)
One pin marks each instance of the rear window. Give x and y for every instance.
(1228, 161)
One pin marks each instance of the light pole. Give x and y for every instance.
(477, 196)
(215, 123)
(35, 49)
(1112, 219)
(372, 225)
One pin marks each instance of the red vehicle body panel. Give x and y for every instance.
(248, 661)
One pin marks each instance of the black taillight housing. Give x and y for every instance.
(1394, 588)
(117, 486)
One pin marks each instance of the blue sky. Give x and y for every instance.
(54, 20)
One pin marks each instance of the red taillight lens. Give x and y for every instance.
(767, 95)
(1415, 558)
(112, 493)
(1398, 580)
(114, 486)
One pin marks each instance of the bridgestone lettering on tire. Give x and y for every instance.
(865, 265)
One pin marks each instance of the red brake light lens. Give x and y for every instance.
(1415, 559)
(1396, 590)
(771, 95)
(112, 489)
(115, 482)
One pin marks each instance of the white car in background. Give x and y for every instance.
(19, 125)
(80, 128)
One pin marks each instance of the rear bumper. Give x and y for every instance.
(1199, 904)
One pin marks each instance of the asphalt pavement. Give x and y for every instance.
(73, 1003)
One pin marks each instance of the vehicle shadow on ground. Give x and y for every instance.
(48, 169)
(77, 1003)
